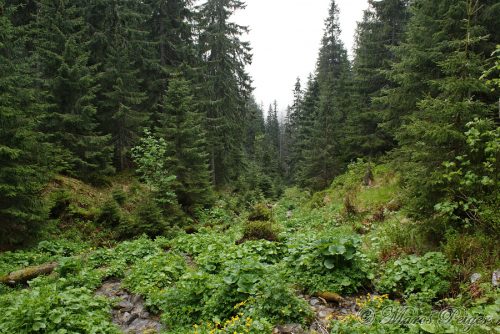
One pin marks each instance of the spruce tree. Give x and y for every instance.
(435, 132)
(118, 47)
(256, 125)
(291, 131)
(302, 149)
(327, 156)
(120, 108)
(69, 81)
(272, 162)
(226, 86)
(381, 30)
(182, 128)
(23, 154)
(170, 37)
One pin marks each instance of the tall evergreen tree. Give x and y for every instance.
(255, 127)
(381, 30)
(23, 155)
(226, 86)
(182, 128)
(434, 132)
(118, 46)
(291, 131)
(170, 33)
(303, 146)
(327, 155)
(121, 110)
(273, 126)
(272, 164)
(63, 63)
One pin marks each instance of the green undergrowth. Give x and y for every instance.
(238, 271)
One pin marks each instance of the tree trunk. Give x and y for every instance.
(24, 275)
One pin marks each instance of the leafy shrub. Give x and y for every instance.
(332, 263)
(155, 272)
(216, 216)
(353, 178)
(470, 182)
(472, 253)
(60, 247)
(349, 207)
(67, 207)
(428, 276)
(127, 252)
(68, 266)
(244, 288)
(150, 157)
(398, 235)
(259, 230)
(236, 324)
(119, 196)
(61, 202)
(277, 302)
(148, 219)
(46, 309)
(260, 212)
(182, 304)
(110, 214)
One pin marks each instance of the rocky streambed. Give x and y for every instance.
(129, 313)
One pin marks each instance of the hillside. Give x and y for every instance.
(333, 261)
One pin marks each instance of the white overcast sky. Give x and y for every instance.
(285, 37)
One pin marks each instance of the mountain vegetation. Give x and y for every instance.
(143, 189)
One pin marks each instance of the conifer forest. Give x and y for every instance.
(145, 189)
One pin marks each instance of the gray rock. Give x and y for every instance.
(136, 299)
(325, 313)
(495, 278)
(141, 325)
(125, 306)
(475, 277)
(314, 302)
(128, 318)
(289, 329)
(138, 309)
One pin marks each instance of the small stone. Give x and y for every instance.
(128, 318)
(325, 313)
(125, 305)
(314, 302)
(136, 299)
(141, 325)
(475, 277)
(495, 278)
(290, 329)
(138, 309)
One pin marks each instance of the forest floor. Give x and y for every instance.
(345, 260)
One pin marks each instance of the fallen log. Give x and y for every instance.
(24, 275)
(330, 297)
